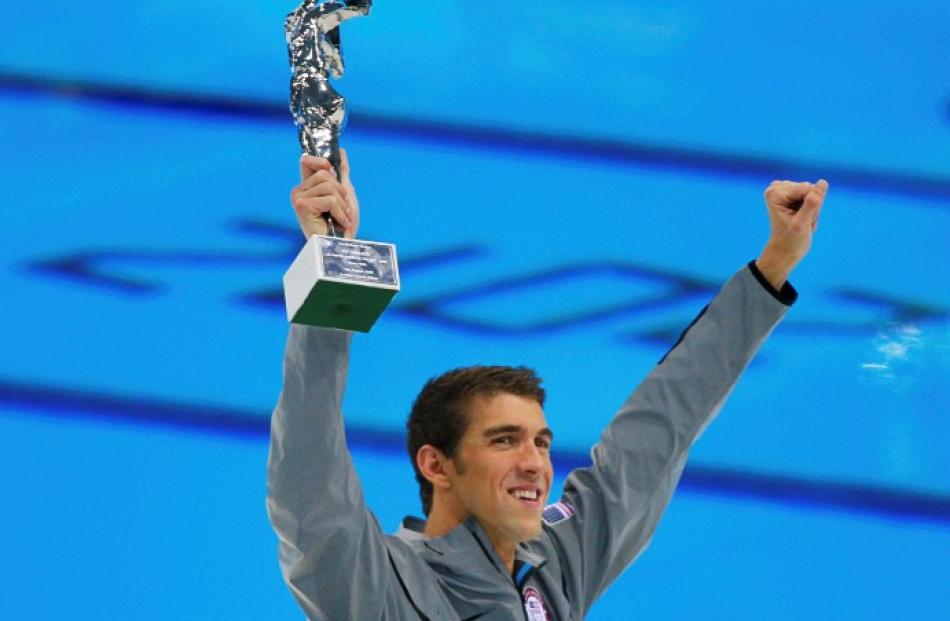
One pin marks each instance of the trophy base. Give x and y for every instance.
(341, 283)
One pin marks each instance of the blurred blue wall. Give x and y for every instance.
(567, 184)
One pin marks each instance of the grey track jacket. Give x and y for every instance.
(340, 565)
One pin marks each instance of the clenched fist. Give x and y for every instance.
(794, 209)
(320, 193)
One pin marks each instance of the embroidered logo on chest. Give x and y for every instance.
(557, 512)
(533, 605)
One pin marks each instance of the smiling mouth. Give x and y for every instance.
(530, 497)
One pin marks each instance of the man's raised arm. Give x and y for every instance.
(332, 551)
(610, 510)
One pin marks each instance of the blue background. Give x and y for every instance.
(567, 185)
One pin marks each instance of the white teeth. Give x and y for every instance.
(526, 494)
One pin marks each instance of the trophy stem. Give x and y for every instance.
(331, 226)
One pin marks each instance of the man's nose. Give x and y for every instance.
(532, 459)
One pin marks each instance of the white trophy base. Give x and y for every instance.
(341, 283)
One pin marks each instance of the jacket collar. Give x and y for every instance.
(463, 538)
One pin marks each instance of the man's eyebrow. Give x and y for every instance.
(499, 429)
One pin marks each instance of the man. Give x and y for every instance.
(480, 446)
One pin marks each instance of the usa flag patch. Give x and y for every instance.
(558, 512)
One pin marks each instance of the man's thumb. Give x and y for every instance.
(812, 202)
(344, 166)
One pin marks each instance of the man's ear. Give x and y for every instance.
(434, 466)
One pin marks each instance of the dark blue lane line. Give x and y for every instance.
(664, 157)
(126, 95)
(479, 137)
(64, 403)
(69, 404)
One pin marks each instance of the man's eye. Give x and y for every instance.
(542, 443)
(504, 440)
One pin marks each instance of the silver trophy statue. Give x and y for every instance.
(333, 282)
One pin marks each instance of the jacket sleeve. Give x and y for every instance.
(332, 551)
(614, 504)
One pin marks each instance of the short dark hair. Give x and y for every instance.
(439, 414)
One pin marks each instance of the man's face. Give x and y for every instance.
(502, 468)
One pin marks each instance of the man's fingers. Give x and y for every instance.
(321, 192)
(321, 176)
(309, 164)
(340, 212)
(320, 188)
(315, 207)
(792, 195)
(786, 193)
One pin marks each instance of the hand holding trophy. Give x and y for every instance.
(334, 282)
(320, 194)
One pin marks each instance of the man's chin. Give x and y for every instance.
(514, 529)
(529, 531)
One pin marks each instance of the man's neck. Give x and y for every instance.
(439, 525)
(506, 552)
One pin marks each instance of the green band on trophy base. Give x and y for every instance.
(341, 283)
(344, 306)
